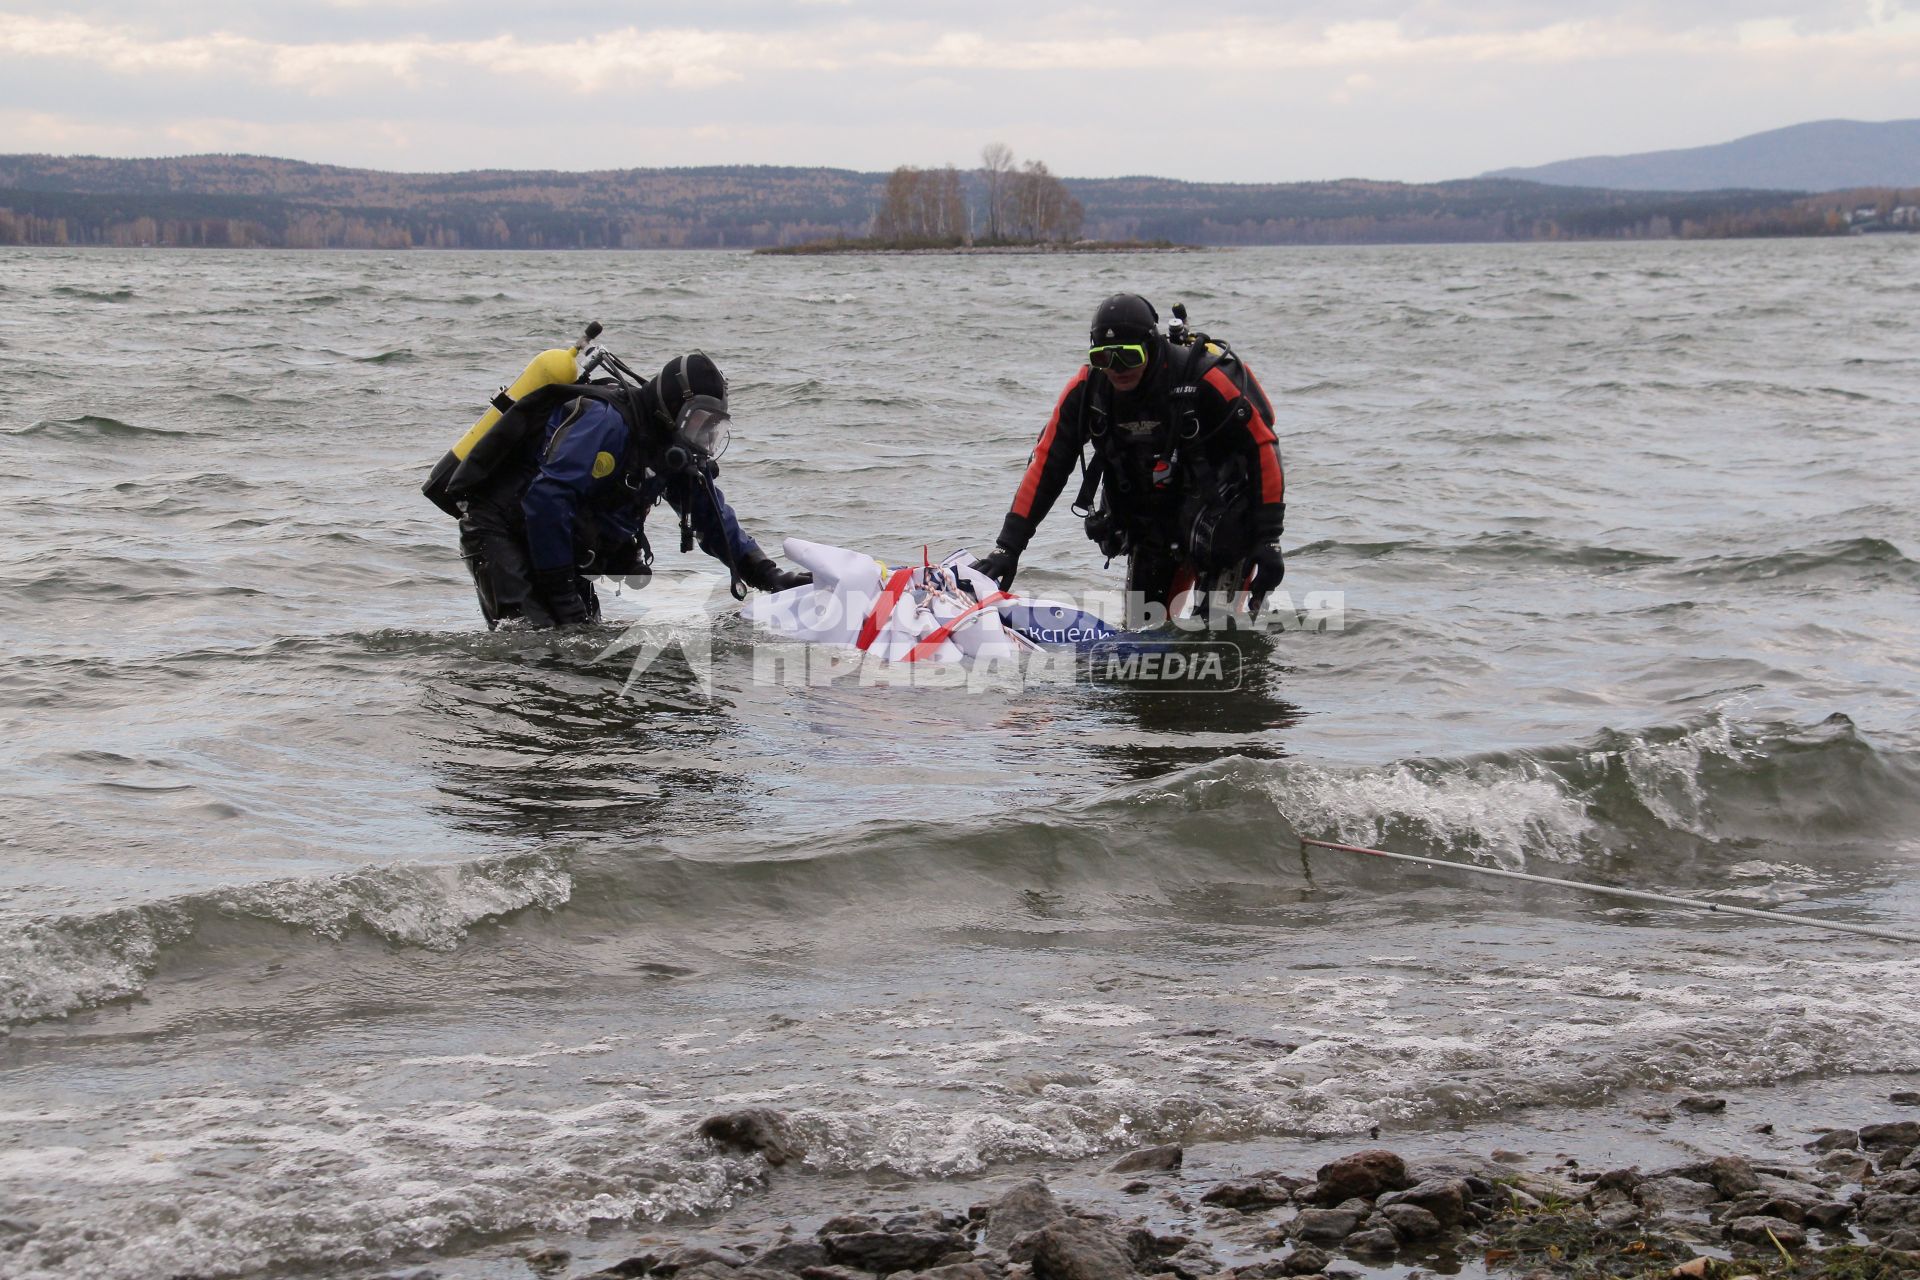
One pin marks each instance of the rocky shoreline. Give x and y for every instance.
(1850, 1210)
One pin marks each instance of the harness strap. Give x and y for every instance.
(1090, 473)
(941, 634)
(883, 608)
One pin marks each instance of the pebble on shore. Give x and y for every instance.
(1853, 1210)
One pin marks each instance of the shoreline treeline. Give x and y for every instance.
(253, 201)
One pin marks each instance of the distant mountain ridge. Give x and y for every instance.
(1822, 155)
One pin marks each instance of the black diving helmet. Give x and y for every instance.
(693, 392)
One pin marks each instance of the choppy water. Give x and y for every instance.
(336, 931)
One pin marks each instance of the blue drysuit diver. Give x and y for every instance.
(562, 496)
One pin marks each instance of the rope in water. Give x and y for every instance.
(1640, 895)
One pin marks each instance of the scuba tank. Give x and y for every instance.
(475, 454)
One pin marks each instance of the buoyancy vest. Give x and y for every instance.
(1142, 475)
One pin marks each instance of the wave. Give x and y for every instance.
(60, 964)
(1670, 806)
(1860, 559)
(1523, 548)
(91, 426)
(93, 295)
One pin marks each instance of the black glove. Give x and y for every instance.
(764, 575)
(560, 593)
(1269, 567)
(624, 561)
(999, 564)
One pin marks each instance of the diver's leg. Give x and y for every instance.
(473, 551)
(509, 570)
(1150, 573)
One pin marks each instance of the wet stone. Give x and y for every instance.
(1850, 1165)
(1674, 1195)
(1325, 1225)
(847, 1223)
(1191, 1262)
(638, 1265)
(1904, 1098)
(759, 1129)
(1147, 1248)
(1026, 1207)
(1444, 1198)
(884, 1251)
(1881, 1215)
(969, 1270)
(1376, 1242)
(1304, 1260)
(1364, 1173)
(1247, 1195)
(693, 1255)
(1700, 1106)
(1836, 1140)
(712, 1271)
(1901, 1133)
(1830, 1214)
(795, 1255)
(1150, 1160)
(1617, 1217)
(1074, 1249)
(1733, 1176)
(1762, 1230)
(1410, 1222)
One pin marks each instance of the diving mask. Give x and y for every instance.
(1118, 357)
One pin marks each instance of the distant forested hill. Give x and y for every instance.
(227, 200)
(1825, 155)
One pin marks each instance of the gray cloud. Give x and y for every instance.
(1373, 87)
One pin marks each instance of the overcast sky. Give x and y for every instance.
(1228, 90)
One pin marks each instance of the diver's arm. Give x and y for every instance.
(1251, 414)
(715, 527)
(1048, 467)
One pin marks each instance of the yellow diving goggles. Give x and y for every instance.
(1123, 355)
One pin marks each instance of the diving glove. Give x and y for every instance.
(999, 564)
(765, 575)
(628, 560)
(1269, 567)
(560, 593)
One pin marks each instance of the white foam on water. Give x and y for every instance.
(424, 906)
(1666, 776)
(1509, 812)
(1091, 1013)
(55, 965)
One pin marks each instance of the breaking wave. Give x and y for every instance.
(1681, 806)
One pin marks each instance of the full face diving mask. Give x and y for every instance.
(700, 431)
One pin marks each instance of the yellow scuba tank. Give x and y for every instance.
(544, 370)
(475, 454)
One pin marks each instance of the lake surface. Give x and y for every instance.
(337, 933)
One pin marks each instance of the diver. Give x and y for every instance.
(1184, 460)
(566, 498)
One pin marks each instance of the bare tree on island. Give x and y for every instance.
(922, 206)
(996, 166)
(1040, 207)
